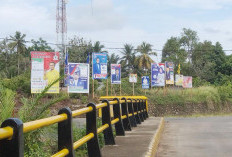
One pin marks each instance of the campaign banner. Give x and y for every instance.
(133, 78)
(44, 71)
(145, 82)
(78, 76)
(66, 82)
(115, 73)
(169, 66)
(99, 69)
(187, 82)
(157, 74)
(178, 80)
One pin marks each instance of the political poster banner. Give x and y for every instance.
(187, 82)
(66, 82)
(178, 80)
(78, 76)
(99, 69)
(44, 71)
(133, 78)
(145, 82)
(157, 74)
(115, 73)
(169, 71)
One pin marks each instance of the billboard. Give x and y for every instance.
(44, 71)
(157, 74)
(178, 80)
(66, 70)
(99, 69)
(187, 82)
(115, 73)
(78, 76)
(145, 82)
(133, 78)
(169, 71)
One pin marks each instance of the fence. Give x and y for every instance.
(128, 112)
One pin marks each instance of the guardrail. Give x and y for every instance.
(128, 112)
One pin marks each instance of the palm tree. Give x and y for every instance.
(18, 44)
(128, 59)
(97, 47)
(144, 60)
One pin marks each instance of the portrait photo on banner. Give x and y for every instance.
(99, 70)
(158, 74)
(169, 71)
(45, 70)
(78, 76)
(115, 73)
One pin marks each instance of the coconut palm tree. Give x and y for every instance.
(97, 47)
(18, 44)
(144, 60)
(128, 59)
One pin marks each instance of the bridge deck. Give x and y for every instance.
(135, 143)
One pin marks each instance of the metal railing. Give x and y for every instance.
(128, 112)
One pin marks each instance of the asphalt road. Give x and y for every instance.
(196, 137)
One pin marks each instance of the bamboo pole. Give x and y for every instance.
(107, 84)
(93, 88)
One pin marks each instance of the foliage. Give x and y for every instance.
(7, 103)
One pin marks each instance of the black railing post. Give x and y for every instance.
(13, 147)
(65, 132)
(131, 111)
(91, 127)
(140, 110)
(117, 114)
(136, 110)
(126, 121)
(144, 109)
(106, 119)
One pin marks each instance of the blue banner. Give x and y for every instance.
(115, 73)
(78, 77)
(99, 69)
(145, 82)
(157, 74)
(66, 70)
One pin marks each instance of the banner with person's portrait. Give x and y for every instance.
(78, 76)
(169, 71)
(133, 78)
(99, 70)
(187, 82)
(145, 82)
(45, 71)
(157, 74)
(178, 80)
(115, 73)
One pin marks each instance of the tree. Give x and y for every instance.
(144, 60)
(97, 47)
(188, 40)
(40, 45)
(18, 44)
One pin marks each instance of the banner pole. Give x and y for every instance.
(133, 88)
(111, 89)
(93, 88)
(107, 87)
(120, 89)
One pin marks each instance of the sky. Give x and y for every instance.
(116, 22)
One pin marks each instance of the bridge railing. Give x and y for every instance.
(128, 112)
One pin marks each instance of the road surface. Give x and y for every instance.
(196, 137)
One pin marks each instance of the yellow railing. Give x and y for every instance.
(8, 131)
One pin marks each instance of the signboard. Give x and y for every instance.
(115, 73)
(145, 82)
(78, 76)
(157, 74)
(66, 82)
(169, 66)
(187, 82)
(44, 71)
(178, 80)
(99, 69)
(133, 78)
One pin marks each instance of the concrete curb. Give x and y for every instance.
(155, 140)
